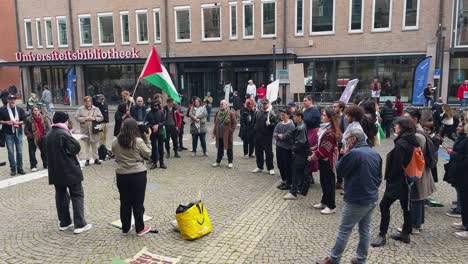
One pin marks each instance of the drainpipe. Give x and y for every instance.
(285, 43)
(440, 49)
(18, 44)
(166, 27)
(70, 16)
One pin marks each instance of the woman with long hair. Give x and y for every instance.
(368, 122)
(448, 122)
(35, 129)
(246, 132)
(198, 116)
(130, 153)
(388, 115)
(327, 155)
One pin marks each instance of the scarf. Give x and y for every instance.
(323, 128)
(63, 126)
(223, 115)
(13, 118)
(39, 128)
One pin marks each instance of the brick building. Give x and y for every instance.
(207, 43)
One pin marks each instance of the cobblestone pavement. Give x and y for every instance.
(252, 223)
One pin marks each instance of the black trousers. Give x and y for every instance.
(327, 182)
(132, 189)
(297, 172)
(172, 133)
(220, 153)
(284, 162)
(448, 130)
(387, 127)
(181, 136)
(32, 153)
(464, 205)
(385, 205)
(249, 145)
(264, 147)
(63, 194)
(157, 148)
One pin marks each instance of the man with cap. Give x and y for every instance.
(12, 118)
(291, 109)
(65, 174)
(265, 122)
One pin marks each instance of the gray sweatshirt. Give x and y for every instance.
(282, 128)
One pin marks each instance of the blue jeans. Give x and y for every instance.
(202, 137)
(351, 215)
(417, 213)
(208, 109)
(15, 142)
(49, 110)
(463, 102)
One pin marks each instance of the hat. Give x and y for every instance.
(60, 117)
(283, 110)
(99, 96)
(265, 101)
(292, 104)
(11, 96)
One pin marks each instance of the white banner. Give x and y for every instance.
(272, 91)
(348, 91)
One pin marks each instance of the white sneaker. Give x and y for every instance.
(230, 165)
(462, 235)
(272, 172)
(328, 211)
(257, 170)
(290, 196)
(65, 227)
(83, 229)
(458, 226)
(34, 169)
(216, 164)
(246, 156)
(319, 206)
(194, 154)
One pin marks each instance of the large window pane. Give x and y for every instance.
(124, 27)
(28, 33)
(412, 13)
(388, 71)
(106, 29)
(299, 17)
(62, 31)
(85, 30)
(458, 74)
(48, 31)
(462, 25)
(39, 32)
(248, 20)
(211, 22)
(142, 27)
(183, 24)
(233, 21)
(356, 15)
(268, 18)
(322, 15)
(382, 14)
(157, 26)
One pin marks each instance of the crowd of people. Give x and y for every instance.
(335, 144)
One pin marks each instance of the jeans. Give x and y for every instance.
(220, 153)
(264, 146)
(284, 158)
(463, 102)
(132, 189)
(464, 205)
(249, 145)
(327, 182)
(15, 142)
(171, 133)
(62, 202)
(195, 137)
(32, 153)
(297, 171)
(157, 148)
(428, 101)
(351, 215)
(49, 110)
(417, 213)
(385, 205)
(208, 110)
(181, 136)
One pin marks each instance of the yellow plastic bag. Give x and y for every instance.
(193, 221)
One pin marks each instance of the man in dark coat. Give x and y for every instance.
(265, 122)
(65, 174)
(155, 121)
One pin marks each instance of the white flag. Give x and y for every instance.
(272, 91)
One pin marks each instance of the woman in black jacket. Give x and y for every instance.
(368, 122)
(155, 121)
(246, 133)
(120, 115)
(388, 115)
(397, 187)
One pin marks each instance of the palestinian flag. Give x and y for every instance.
(156, 74)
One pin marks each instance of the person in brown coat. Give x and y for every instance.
(225, 124)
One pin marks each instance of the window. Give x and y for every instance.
(299, 15)
(124, 28)
(106, 29)
(62, 31)
(28, 33)
(322, 20)
(232, 20)
(268, 18)
(211, 22)
(84, 23)
(382, 15)
(411, 15)
(248, 19)
(356, 18)
(48, 32)
(39, 32)
(157, 25)
(461, 36)
(142, 26)
(182, 24)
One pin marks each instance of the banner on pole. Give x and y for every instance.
(272, 91)
(348, 91)
(420, 77)
(296, 78)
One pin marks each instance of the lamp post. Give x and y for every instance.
(274, 58)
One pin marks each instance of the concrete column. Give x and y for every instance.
(80, 84)
(445, 76)
(431, 50)
(26, 83)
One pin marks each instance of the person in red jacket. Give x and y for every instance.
(261, 93)
(173, 124)
(398, 106)
(462, 94)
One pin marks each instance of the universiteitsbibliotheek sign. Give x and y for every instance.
(87, 54)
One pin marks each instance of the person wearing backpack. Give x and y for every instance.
(397, 187)
(425, 186)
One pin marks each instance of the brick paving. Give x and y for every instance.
(252, 223)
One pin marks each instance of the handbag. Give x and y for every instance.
(193, 220)
(96, 126)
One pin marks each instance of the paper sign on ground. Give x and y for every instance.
(117, 223)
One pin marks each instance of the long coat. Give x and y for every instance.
(61, 150)
(424, 186)
(228, 130)
(86, 125)
(202, 116)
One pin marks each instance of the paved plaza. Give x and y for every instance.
(251, 221)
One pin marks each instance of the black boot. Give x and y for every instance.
(405, 238)
(168, 155)
(162, 165)
(87, 163)
(96, 161)
(176, 155)
(154, 166)
(379, 241)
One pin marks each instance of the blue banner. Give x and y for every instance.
(421, 73)
(71, 78)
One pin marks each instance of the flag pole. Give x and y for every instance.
(136, 85)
